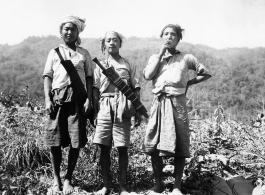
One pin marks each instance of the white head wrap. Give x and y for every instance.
(79, 22)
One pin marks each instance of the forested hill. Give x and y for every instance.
(238, 81)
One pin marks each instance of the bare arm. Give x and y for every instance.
(196, 80)
(201, 71)
(88, 106)
(89, 82)
(199, 79)
(47, 91)
(152, 68)
(138, 119)
(95, 100)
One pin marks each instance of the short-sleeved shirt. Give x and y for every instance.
(55, 70)
(173, 72)
(123, 67)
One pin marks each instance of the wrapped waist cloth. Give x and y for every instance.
(124, 106)
(168, 127)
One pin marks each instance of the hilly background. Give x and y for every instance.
(238, 82)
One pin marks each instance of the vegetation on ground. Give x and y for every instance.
(227, 136)
(219, 147)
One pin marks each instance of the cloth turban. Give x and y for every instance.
(79, 22)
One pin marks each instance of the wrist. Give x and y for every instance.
(137, 90)
(190, 82)
(89, 99)
(47, 99)
(89, 95)
(95, 111)
(160, 55)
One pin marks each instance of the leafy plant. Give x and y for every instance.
(220, 146)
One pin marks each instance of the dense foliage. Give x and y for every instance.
(219, 147)
(238, 73)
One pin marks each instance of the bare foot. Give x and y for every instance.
(67, 187)
(124, 192)
(103, 191)
(176, 191)
(57, 187)
(157, 189)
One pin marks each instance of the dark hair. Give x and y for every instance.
(176, 28)
(61, 28)
(102, 41)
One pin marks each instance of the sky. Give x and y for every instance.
(216, 23)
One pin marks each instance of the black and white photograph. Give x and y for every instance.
(132, 97)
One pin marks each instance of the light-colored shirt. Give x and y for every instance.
(173, 72)
(126, 71)
(55, 70)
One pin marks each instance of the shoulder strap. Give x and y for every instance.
(59, 53)
(74, 76)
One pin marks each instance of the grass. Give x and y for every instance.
(219, 147)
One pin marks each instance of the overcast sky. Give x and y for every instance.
(216, 23)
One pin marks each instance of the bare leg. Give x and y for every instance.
(56, 159)
(157, 164)
(179, 168)
(72, 159)
(105, 166)
(123, 164)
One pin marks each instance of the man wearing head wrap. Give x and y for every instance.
(78, 22)
(67, 114)
(113, 110)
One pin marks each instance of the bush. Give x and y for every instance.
(219, 147)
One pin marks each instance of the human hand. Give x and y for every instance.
(95, 120)
(187, 86)
(166, 45)
(87, 107)
(137, 119)
(49, 107)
